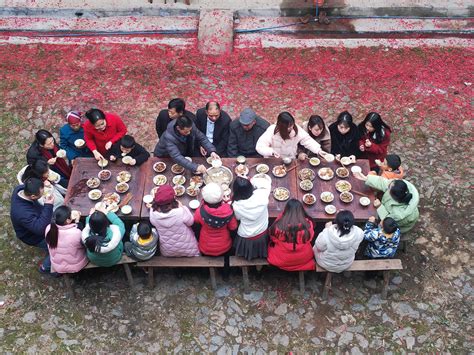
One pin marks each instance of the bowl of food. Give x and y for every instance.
(53, 176)
(306, 185)
(95, 194)
(286, 160)
(179, 180)
(346, 160)
(126, 209)
(309, 199)
(241, 169)
(159, 167)
(314, 161)
(209, 160)
(193, 204)
(127, 159)
(122, 187)
(262, 168)
(241, 159)
(111, 198)
(343, 186)
(104, 175)
(325, 173)
(124, 176)
(192, 191)
(281, 194)
(327, 196)
(306, 174)
(329, 157)
(179, 190)
(216, 163)
(102, 163)
(342, 172)
(153, 190)
(222, 175)
(160, 180)
(79, 143)
(346, 197)
(93, 183)
(330, 209)
(356, 169)
(196, 180)
(279, 170)
(177, 169)
(262, 176)
(61, 153)
(148, 198)
(364, 201)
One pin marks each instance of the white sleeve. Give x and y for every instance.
(264, 143)
(85, 232)
(306, 141)
(116, 239)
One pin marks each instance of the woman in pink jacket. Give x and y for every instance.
(173, 222)
(63, 238)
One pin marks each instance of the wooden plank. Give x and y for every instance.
(197, 261)
(125, 260)
(371, 265)
(237, 261)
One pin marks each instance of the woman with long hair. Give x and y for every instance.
(344, 136)
(317, 129)
(374, 139)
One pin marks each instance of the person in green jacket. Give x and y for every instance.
(102, 237)
(399, 201)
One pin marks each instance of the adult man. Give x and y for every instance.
(29, 218)
(176, 108)
(244, 134)
(179, 141)
(214, 123)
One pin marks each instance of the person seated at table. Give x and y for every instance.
(290, 239)
(70, 133)
(374, 139)
(173, 222)
(179, 141)
(176, 108)
(40, 170)
(383, 238)
(251, 210)
(127, 146)
(30, 219)
(214, 123)
(281, 140)
(64, 241)
(244, 134)
(45, 148)
(400, 200)
(344, 136)
(143, 242)
(390, 167)
(337, 244)
(217, 220)
(102, 237)
(101, 130)
(317, 130)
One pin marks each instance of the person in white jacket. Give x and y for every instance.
(281, 140)
(337, 244)
(251, 209)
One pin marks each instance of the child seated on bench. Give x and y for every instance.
(390, 167)
(128, 147)
(143, 242)
(383, 238)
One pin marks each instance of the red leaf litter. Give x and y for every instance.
(405, 85)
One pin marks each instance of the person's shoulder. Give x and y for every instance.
(65, 128)
(235, 124)
(262, 123)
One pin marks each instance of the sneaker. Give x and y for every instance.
(48, 272)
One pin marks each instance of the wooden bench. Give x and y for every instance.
(384, 265)
(125, 261)
(193, 262)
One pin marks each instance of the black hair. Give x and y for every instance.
(399, 191)
(42, 135)
(393, 161)
(178, 104)
(243, 189)
(284, 120)
(94, 115)
(60, 216)
(33, 186)
(389, 225)
(344, 118)
(184, 122)
(164, 208)
(215, 103)
(144, 230)
(127, 141)
(344, 221)
(36, 170)
(98, 223)
(379, 126)
(316, 120)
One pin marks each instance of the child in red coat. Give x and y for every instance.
(290, 239)
(375, 138)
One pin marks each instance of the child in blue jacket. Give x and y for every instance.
(383, 238)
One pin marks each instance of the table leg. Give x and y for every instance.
(327, 285)
(212, 273)
(245, 276)
(386, 281)
(301, 281)
(151, 278)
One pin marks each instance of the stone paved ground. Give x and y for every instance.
(425, 94)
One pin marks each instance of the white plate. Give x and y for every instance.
(364, 201)
(61, 153)
(127, 209)
(330, 209)
(79, 143)
(193, 204)
(148, 198)
(96, 192)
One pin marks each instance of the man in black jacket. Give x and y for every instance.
(244, 134)
(176, 108)
(214, 123)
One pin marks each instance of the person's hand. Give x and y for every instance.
(328, 224)
(49, 198)
(378, 162)
(102, 208)
(368, 143)
(214, 156)
(276, 155)
(302, 156)
(180, 204)
(201, 169)
(362, 148)
(377, 203)
(359, 176)
(372, 219)
(112, 158)
(97, 155)
(133, 162)
(92, 210)
(108, 145)
(148, 205)
(338, 157)
(203, 151)
(52, 161)
(47, 183)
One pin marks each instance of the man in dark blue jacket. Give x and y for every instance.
(29, 218)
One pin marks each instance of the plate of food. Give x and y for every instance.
(309, 199)
(179, 190)
(241, 169)
(222, 175)
(102, 163)
(95, 194)
(343, 186)
(160, 180)
(192, 191)
(196, 180)
(179, 180)
(177, 169)
(104, 175)
(281, 194)
(241, 159)
(364, 201)
(124, 176)
(356, 169)
(306, 174)
(346, 197)
(61, 153)
(326, 173)
(342, 172)
(126, 209)
(314, 161)
(346, 160)
(148, 199)
(93, 183)
(306, 185)
(193, 204)
(79, 143)
(111, 197)
(330, 209)
(262, 168)
(159, 167)
(122, 187)
(327, 196)
(279, 171)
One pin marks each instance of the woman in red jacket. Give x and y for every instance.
(101, 131)
(375, 138)
(290, 239)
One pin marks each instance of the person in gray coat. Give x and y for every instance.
(179, 140)
(244, 134)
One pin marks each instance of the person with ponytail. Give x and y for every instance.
(102, 237)
(290, 239)
(337, 244)
(63, 238)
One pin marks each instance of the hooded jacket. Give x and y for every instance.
(143, 251)
(67, 137)
(177, 239)
(335, 253)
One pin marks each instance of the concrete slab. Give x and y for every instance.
(216, 32)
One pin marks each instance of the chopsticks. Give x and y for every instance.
(359, 193)
(125, 200)
(292, 168)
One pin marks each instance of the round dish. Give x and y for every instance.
(216, 163)
(262, 176)
(309, 199)
(111, 197)
(342, 172)
(241, 169)
(346, 197)
(241, 159)
(153, 191)
(95, 194)
(281, 194)
(179, 180)
(314, 161)
(102, 163)
(196, 180)
(148, 198)
(364, 201)
(124, 176)
(306, 185)
(356, 169)
(279, 170)
(209, 160)
(306, 174)
(93, 183)
(177, 169)
(343, 186)
(127, 159)
(329, 157)
(126, 209)
(192, 191)
(79, 143)
(330, 209)
(222, 175)
(122, 187)
(193, 204)
(159, 167)
(160, 180)
(326, 173)
(327, 196)
(262, 168)
(61, 153)
(346, 160)
(179, 190)
(104, 175)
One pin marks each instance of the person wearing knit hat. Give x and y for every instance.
(164, 195)
(212, 193)
(71, 137)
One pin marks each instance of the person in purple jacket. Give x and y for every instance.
(30, 219)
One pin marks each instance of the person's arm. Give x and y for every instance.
(115, 151)
(120, 128)
(377, 182)
(140, 154)
(114, 241)
(64, 143)
(382, 147)
(308, 142)
(232, 147)
(188, 218)
(371, 232)
(233, 224)
(35, 224)
(89, 136)
(264, 143)
(176, 155)
(114, 219)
